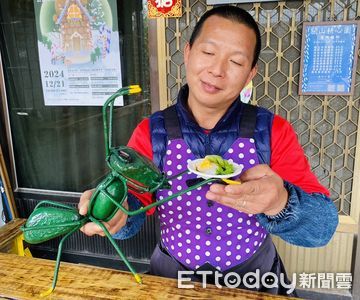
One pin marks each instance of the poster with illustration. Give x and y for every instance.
(78, 44)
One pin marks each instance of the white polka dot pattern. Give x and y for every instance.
(195, 232)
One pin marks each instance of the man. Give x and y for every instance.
(225, 228)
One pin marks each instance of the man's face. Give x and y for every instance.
(218, 65)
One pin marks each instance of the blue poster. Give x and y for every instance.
(328, 58)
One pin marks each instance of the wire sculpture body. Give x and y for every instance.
(129, 170)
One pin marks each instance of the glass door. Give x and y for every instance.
(61, 148)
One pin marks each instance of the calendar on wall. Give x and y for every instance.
(79, 53)
(328, 58)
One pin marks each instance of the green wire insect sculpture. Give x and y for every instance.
(129, 170)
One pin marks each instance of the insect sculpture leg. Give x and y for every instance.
(57, 266)
(123, 257)
(53, 204)
(157, 203)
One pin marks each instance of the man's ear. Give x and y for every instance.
(251, 74)
(186, 53)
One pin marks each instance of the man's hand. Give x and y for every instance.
(261, 191)
(113, 226)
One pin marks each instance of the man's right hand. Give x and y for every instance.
(113, 225)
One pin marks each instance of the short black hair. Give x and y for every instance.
(232, 13)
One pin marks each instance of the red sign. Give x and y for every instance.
(164, 8)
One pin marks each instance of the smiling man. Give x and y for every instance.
(226, 228)
(219, 63)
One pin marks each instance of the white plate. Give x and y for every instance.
(192, 168)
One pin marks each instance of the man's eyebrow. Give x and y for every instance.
(237, 52)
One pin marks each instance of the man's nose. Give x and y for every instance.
(218, 68)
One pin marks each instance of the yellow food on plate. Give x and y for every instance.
(207, 167)
(215, 165)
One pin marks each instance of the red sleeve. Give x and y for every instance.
(288, 158)
(141, 142)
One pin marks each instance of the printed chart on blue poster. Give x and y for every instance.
(328, 58)
(78, 44)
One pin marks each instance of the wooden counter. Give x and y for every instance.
(8, 233)
(25, 278)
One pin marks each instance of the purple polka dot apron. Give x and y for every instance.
(196, 231)
(201, 235)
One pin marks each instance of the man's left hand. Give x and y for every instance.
(261, 191)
